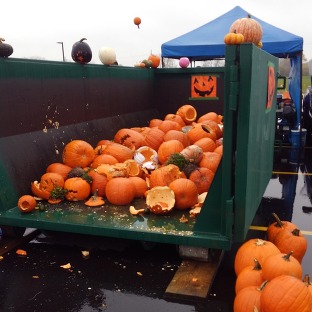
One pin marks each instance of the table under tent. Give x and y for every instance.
(207, 42)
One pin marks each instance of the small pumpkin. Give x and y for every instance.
(81, 52)
(188, 113)
(202, 177)
(5, 49)
(137, 21)
(26, 203)
(107, 56)
(78, 153)
(168, 148)
(155, 59)
(233, 38)
(249, 28)
(77, 189)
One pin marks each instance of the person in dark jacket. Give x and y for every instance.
(307, 114)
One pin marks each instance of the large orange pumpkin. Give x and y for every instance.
(103, 159)
(120, 191)
(129, 138)
(286, 293)
(119, 151)
(249, 28)
(167, 125)
(177, 135)
(202, 177)
(206, 144)
(210, 160)
(185, 191)
(197, 132)
(78, 153)
(251, 249)
(188, 113)
(140, 186)
(153, 138)
(176, 118)
(164, 175)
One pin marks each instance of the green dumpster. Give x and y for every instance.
(46, 104)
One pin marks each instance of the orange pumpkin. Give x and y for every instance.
(248, 299)
(140, 186)
(167, 148)
(78, 153)
(177, 135)
(277, 226)
(206, 144)
(281, 264)
(202, 177)
(176, 118)
(286, 293)
(77, 189)
(59, 168)
(210, 160)
(26, 203)
(188, 113)
(129, 138)
(98, 184)
(292, 240)
(193, 153)
(197, 132)
(155, 122)
(103, 159)
(167, 125)
(233, 38)
(120, 191)
(155, 59)
(210, 116)
(249, 276)
(212, 127)
(249, 28)
(186, 194)
(153, 138)
(119, 151)
(164, 175)
(251, 249)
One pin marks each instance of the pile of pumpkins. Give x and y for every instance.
(269, 274)
(170, 163)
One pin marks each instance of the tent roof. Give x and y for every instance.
(206, 42)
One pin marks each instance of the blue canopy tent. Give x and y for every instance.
(206, 42)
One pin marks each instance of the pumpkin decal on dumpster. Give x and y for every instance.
(204, 86)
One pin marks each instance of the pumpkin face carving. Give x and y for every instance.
(81, 52)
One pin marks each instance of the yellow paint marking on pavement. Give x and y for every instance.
(296, 173)
(264, 228)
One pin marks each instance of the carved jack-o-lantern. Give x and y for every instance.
(204, 86)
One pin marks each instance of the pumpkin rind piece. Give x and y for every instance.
(160, 199)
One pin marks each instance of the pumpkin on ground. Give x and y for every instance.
(249, 276)
(286, 293)
(281, 264)
(251, 249)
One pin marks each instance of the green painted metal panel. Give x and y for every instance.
(92, 102)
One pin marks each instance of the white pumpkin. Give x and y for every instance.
(107, 56)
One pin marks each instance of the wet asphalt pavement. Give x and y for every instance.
(122, 275)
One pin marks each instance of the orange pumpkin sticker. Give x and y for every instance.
(271, 86)
(204, 86)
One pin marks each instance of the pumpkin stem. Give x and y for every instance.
(259, 242)
(306, 280)
(260, 288)
(249, 16)
(82, 39)
(296, 232)
(278, 223)
(1, 40)
(287, 256)
(257, 266)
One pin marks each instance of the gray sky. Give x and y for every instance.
(34, 27)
